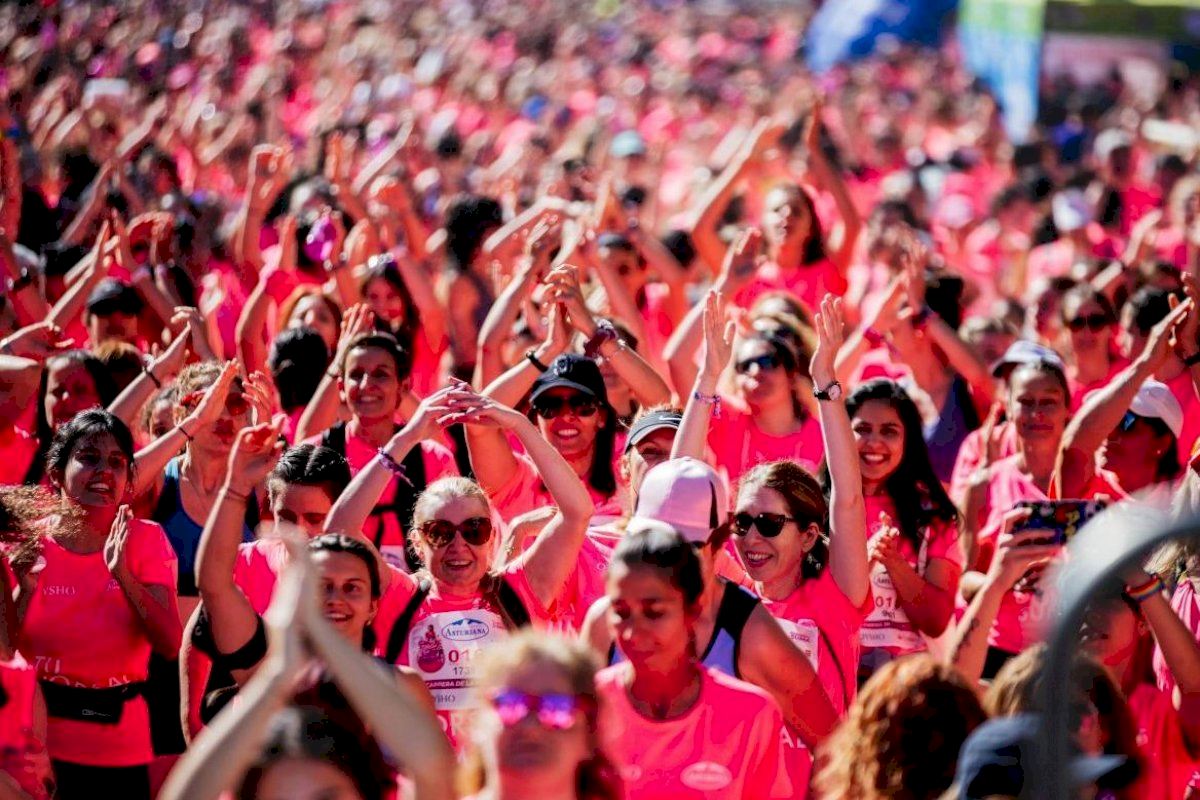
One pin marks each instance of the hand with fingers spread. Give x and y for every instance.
(357, 320)
(1187, 335)
(718, 339)
(829, 323)
(741, 261)
(212, 403)
(261, 395)
(172, 360)
(255, 452)
(542, 239)
(38, 342)
(115, 546)
(888, 315)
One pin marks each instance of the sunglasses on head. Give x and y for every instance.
(236, 404)
(769, 525)
(765, 362)
(1130, 419)
(557, 712)
(551, 407)
(1092, 322)
(475, 531)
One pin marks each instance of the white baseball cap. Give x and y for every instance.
(1155, 400)
(686, 494)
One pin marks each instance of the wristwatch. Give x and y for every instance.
(831, 392)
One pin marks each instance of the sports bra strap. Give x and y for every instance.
(398, 635)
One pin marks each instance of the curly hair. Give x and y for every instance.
(901, 737)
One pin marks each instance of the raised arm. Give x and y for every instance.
(351, 510)
(152, 459)
(511, 387)
(847, 510)
(642, 379)
(713, 202)
(1016, 554)
(548, 562)
(232, 619)
(692, 438)
(501, 317)
(67, 309)
(1103, 410)
(154, 376)
(251, 334)
(827, 177)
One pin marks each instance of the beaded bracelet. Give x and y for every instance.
(713, 400)
(394, 466)
(1140, 594)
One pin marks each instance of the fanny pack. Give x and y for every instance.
(102, 706)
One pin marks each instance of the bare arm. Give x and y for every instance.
(772, 661)
(847, 510)
(713, 202)
(830, 179)
(692, 437)
(499, 321)
(153, 604)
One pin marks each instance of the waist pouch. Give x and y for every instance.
(102, 706)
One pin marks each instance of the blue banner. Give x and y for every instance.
(1002, 44)
(844, 30)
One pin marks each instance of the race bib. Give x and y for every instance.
(443, 647)
(888, 625)
(804, 634)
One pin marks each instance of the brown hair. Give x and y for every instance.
(801, 491)
(902, 734)
(1018, 686)
(288, 307)
(597, 777)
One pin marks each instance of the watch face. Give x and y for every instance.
(835, 392)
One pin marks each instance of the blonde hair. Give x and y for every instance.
(902, 734)
(597, 778)
(440, 491)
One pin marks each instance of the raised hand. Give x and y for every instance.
(255, 453)
(293, 605)
(270, 170)
(1187, 335)
(38, 342)
(260, 393)
(431, 412)
(208, 411)
(115, 546)
(564, 289)
(468, 407)
(1018, 554)
(1162, 336)
(357, 320)
(741, 261)
(718, 336)
(829, 324)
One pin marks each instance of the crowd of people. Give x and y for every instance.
(528, 399)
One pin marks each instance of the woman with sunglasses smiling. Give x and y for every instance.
(459, 603)
(535, 732)
(675, 727)
(1089, 323)
(96, 596)
(1125, 437)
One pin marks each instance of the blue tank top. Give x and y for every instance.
(737, 605)
(184, 532)
(946, 434)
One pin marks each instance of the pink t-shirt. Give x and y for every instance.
(385, 530)
(80, 630)
(525, 492)
(737, 443)
(17, 449)
(1079, 390)
(888, 627)
(1170, 767)
(726, 746)
(809, 283)
(970, 453)
(1181, 387)
(1186, 603)
(586, 583)
(448, 632)
(824, 624)
(1056, 258)
(1024, 610)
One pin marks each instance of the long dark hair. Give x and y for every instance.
(106, 390)
(913, 486)
(383, 268)
(814, 245)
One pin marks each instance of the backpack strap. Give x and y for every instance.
(510, 602)
(334, 438)
(398, 635)
(737, 605)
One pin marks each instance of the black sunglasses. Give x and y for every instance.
(769, 525)
(1093, 322)
(765, 362)
(579, 405)
(439, 532)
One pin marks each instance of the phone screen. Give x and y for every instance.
(1061, 519)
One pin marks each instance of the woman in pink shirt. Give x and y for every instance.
(675, 728)
(391, 287)
(92, 605)
(916, 559)
(71, 382)
(1088, 349)
(535, 733)
(800, 258)
(459, 603)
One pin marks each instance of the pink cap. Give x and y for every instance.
(687, 494)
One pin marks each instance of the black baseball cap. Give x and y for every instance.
(114, 296)
(996, 757)
(647, 424)
(571, 371)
